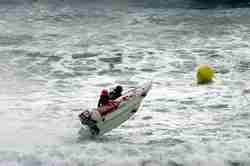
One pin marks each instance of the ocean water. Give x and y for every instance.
(56, 56)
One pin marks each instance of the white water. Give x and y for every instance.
(56, 59)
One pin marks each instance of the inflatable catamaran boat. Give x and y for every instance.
(110, 116)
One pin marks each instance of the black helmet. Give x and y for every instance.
(118, 88)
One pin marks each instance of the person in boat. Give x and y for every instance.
(116, 92)
(104, 98)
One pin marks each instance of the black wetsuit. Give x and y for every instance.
(114, 95)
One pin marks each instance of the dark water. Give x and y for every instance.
(57, 55)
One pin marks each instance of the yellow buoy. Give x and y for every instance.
(204, 74)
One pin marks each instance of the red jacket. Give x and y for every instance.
(104, 110)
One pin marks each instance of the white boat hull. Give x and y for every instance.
(129, 103)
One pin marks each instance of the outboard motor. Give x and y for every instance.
(85, 118)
